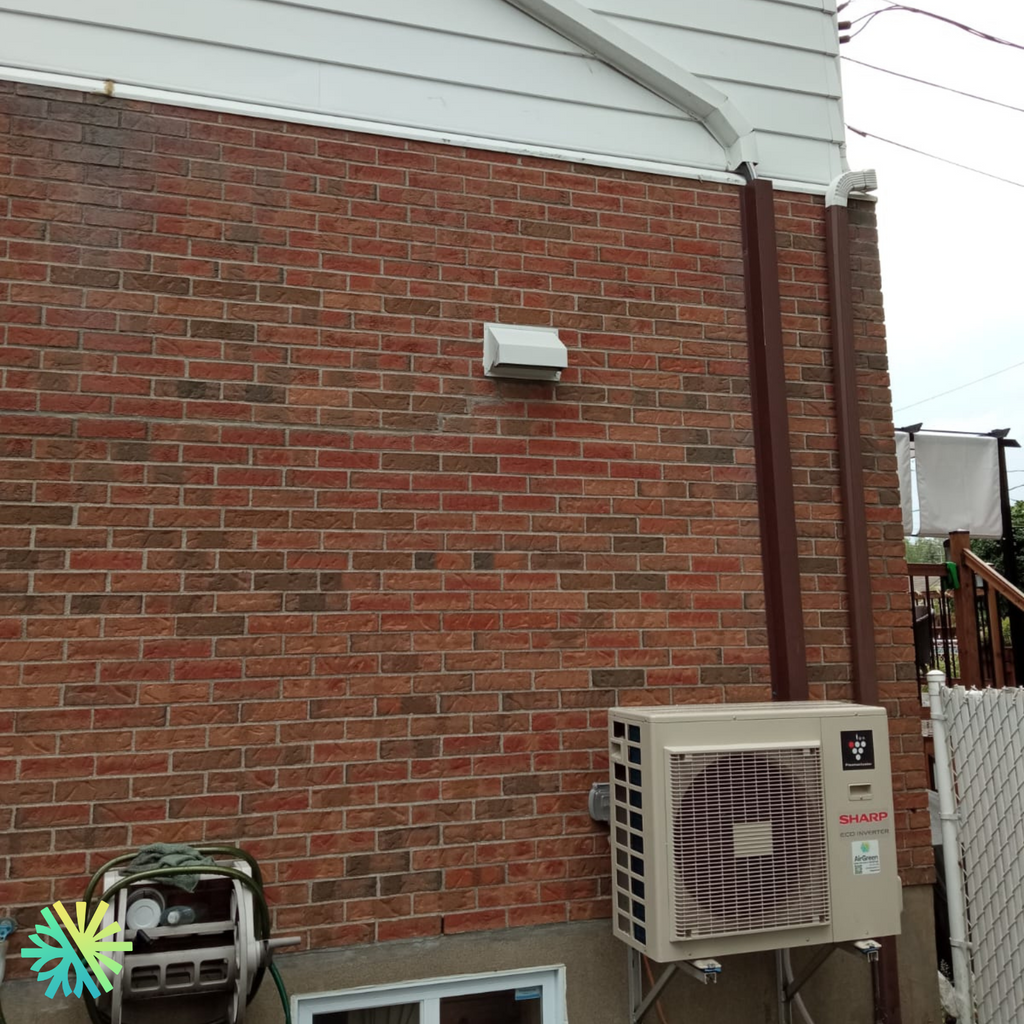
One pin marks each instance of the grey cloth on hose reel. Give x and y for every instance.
(171, 855)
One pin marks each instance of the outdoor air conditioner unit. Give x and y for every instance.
(747, 827)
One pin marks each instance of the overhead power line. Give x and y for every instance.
(960, 387)
(987, 36)
(866, 18)
(935, 85)
(933, 156)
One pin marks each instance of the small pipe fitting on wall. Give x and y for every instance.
(7, 927)
(599, 801)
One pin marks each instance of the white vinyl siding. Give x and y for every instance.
(478, 68)
(777, 60)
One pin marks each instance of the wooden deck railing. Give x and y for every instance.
(994, 579)
(975, 657)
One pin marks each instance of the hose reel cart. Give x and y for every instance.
(197, 956)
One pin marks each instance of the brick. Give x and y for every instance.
(277, 561)
(223, 330)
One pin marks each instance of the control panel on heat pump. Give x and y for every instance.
(743, 827)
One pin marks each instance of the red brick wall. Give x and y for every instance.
(281, 566)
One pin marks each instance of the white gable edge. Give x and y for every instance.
(652, 70)
(53, 80)
(465, 71)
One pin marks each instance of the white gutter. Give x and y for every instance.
(399, 131)
(842, 185)
(654, 71)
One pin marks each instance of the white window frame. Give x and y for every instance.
(428, 993)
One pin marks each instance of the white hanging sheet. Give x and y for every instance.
(906, 488)
(958, 485)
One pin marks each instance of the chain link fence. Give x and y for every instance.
(980, 735)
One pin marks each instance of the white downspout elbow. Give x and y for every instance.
(842, 185)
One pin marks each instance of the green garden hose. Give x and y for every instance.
(253, 883)
(281, 991)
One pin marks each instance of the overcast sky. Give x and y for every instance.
(950, 240)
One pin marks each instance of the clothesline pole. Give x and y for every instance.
(1010, 564)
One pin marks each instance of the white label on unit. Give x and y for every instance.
(866, 859)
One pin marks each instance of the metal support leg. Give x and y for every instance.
(785, 1006)
(704, 971)
(787, 989)
(809, 969)
(636, 983)
(648, 1000)
(871, 950)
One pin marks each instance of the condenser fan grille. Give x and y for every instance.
(748, 841)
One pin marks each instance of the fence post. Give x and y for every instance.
(950, 848)
(966, 612)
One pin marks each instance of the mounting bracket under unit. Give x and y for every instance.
(705, 971)
(788, 984)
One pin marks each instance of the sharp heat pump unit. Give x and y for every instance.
(745, 827)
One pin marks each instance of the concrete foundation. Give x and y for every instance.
(595, 962)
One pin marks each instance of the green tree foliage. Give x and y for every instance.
(925, 549)
(930, 549)
(991, 551)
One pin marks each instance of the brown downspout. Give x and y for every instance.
(851, 466)
(851, 478)
(776, 507)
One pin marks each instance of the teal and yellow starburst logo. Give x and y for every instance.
(77, 947)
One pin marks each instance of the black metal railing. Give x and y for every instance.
(935, 645)
(935, 626)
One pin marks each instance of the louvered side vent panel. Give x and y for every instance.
(628, 836)
(748, 841)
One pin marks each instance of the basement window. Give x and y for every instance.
(534, 996)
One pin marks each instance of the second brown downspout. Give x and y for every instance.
(851, 477)
(772, 457)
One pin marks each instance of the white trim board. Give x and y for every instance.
(53, 80)
(50, 79)
(657, 87)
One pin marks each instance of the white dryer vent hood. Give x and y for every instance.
(525, 353)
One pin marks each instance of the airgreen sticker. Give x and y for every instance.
(866, 858)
